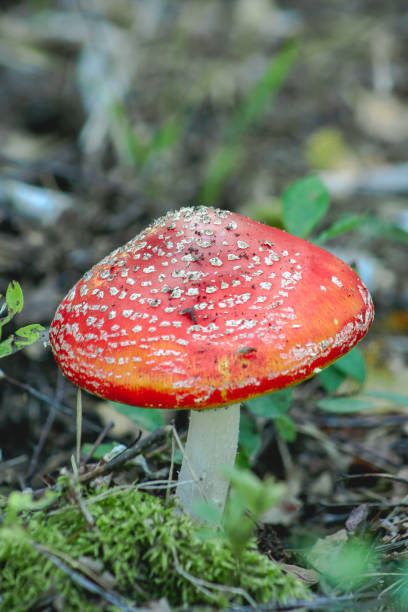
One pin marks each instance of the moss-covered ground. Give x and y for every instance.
(121, 547)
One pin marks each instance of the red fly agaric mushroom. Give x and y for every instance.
(203, 309)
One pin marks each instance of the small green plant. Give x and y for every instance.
(226, 158)
(360, 565)
(344, 561)
(10, 305)
(305, 204)
(275, 406)
(134, 150)
(249, 499)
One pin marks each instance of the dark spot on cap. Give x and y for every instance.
(190, 312)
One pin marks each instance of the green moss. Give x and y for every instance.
(149, 548)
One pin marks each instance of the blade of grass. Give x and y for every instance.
(261, 94)
(167, 135)
(128, 146)
(226, 158)
(222, 164)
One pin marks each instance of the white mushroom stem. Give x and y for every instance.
(212, 442)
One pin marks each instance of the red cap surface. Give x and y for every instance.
(204, 308)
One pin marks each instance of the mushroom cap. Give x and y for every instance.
(204, 308)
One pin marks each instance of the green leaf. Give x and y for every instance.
(272, 405)
(381, 228)
(286, 427)
(249, 438)
(352, 364)
(251, 492)
(148, 418)
(345, 224)
(238, 526)
(6, 348)
(343, 405)
(331, 379)
(14, 297)
(22, 338)
(14, 304)
(208, 512)
(396, 398)
(305, 203)
(243, 482)
(100, 451)
(28, 334)
(345, 562)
